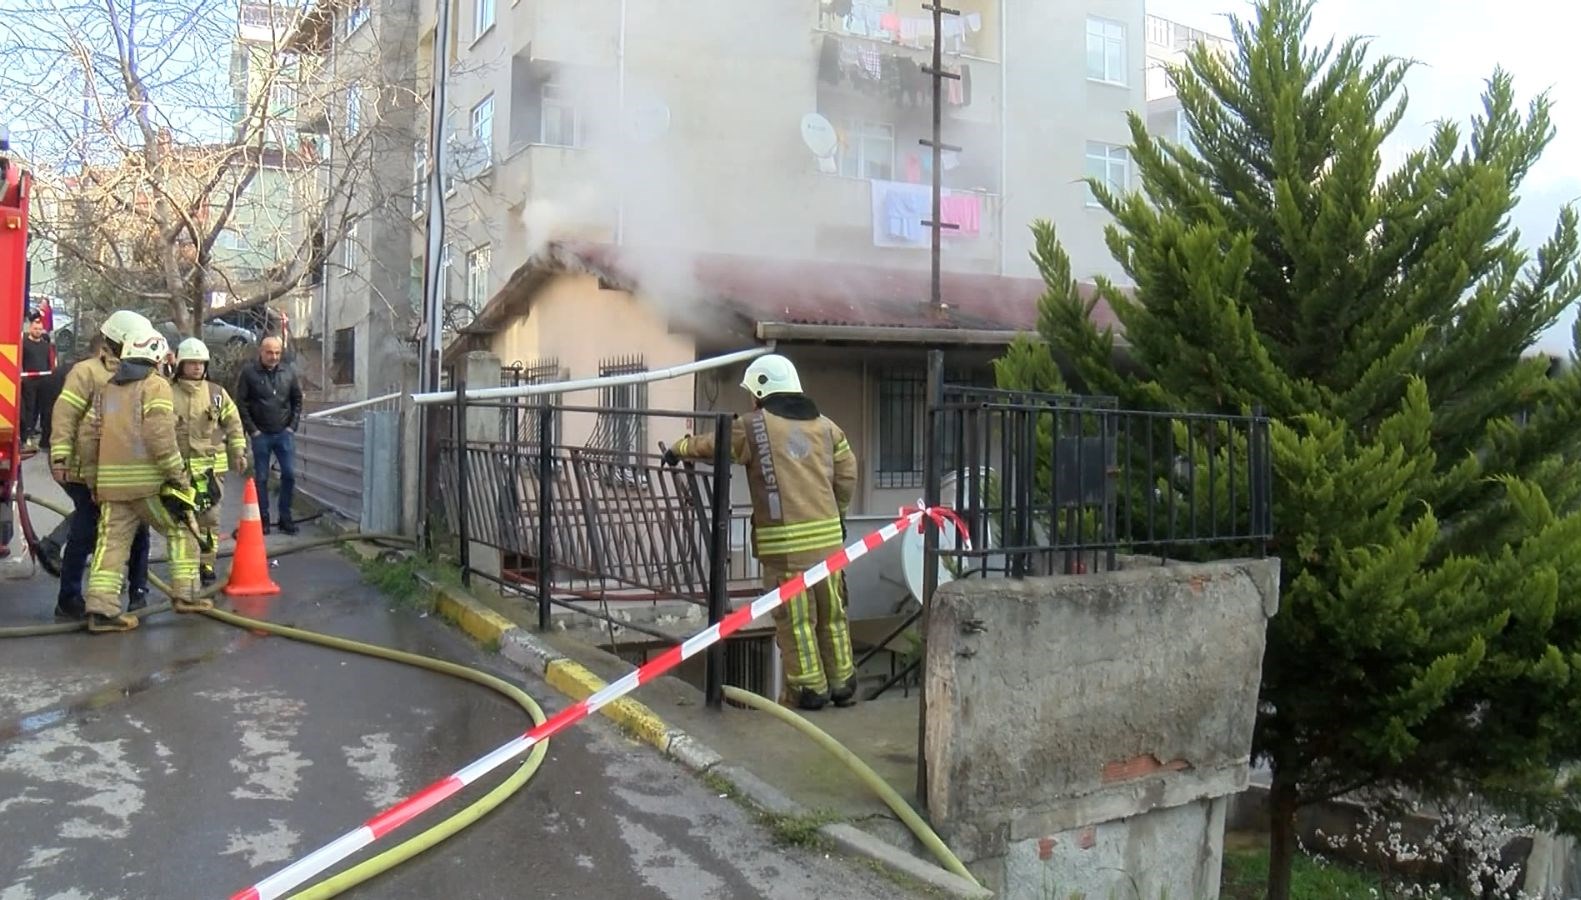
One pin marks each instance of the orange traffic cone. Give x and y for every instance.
(250, 565)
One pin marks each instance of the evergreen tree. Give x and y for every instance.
(1426, 483)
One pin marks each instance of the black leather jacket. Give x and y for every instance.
(270, 400)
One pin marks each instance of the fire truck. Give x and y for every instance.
(15, 188)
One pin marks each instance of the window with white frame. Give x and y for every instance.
(419, 178)
(358, 14)
(482, 17)
(1105, 50)
(282, 96)
(1158, 31)
(483, 125)
(1110, 165)
(353, 110)
(351, 248)
(478, 277)
(558, 123)
(867, 150)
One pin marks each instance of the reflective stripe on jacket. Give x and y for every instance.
(802, 475)
(129, 447)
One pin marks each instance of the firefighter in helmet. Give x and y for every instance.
(67, 464)
(133, 461)
(802, 475)
(209, 430)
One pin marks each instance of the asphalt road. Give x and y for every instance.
(189, 759)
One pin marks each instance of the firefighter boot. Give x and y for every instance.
(136, 599)
(811, 700)
(98, 623)
(845, 694)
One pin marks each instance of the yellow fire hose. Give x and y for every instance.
(409, 848)
(389, 859)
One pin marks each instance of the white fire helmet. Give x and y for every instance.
(122, 324)
(771, 374)
(192, 350)
(147, 344)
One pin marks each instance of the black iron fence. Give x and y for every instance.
(574, 523)
(1056, 484)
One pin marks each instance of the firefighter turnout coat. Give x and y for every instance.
(801, 472)
(70, 414)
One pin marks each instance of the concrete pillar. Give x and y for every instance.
(483, 371)
(411, 454)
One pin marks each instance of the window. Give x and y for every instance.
(558, 127)
(620, 426)
(358, 14)
(351, 248)
(419, 179)
(353, 109)
(478, 277)
(1158, 31)
(1109, 164)
(1105, 50)
(482, 17)
(867, 150)
(900, 416)
(483, 125)
(343, 364)
(229, 239)
(282, 97)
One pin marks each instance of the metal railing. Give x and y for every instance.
(1056, 484)
(573, 524)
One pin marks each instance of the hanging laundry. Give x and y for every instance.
(840, 8)
(912, 31)
(913, 168)
(966, 85)
(898, 213)
(974, 21)
(951, 159)
(890, 24)
(964, 211)
(872, 61)
(954, 93)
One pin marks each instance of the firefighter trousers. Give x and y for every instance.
(813, 634)
(118, 521)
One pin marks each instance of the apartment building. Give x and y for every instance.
(359, 100)
(1167, 45)
(636, 123)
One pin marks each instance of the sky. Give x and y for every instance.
(1457, 44)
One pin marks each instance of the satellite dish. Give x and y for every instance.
(911, 547)
(819, 135)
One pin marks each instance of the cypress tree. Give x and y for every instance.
(1426, 484)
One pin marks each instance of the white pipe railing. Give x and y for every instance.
(588, 384)
(351, 406)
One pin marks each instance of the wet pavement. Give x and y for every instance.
(190, 758)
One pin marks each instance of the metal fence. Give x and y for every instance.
(1054, 484)
(331, 455)
(577, 523)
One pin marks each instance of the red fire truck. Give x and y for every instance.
(15, 187)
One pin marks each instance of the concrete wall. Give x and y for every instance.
(1080, 729)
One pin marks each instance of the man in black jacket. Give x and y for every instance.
(38, 361)
(270, 401)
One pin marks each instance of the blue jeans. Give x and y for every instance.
(283, 446)
(80, 539)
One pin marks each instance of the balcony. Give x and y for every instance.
(585, 33)
(564, 182)
(974, 34)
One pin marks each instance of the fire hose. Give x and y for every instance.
(535, 740)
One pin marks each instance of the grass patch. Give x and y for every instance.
(800, 831)
(1246, 878)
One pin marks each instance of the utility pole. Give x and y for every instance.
(936, 70)
(433, 264)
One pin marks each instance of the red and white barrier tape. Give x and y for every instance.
(291, 876)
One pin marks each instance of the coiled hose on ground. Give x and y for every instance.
(479, 808)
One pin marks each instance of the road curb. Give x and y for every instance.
(578, 682)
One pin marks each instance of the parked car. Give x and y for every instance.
(216, 333)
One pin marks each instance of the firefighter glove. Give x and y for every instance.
(671, 458)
